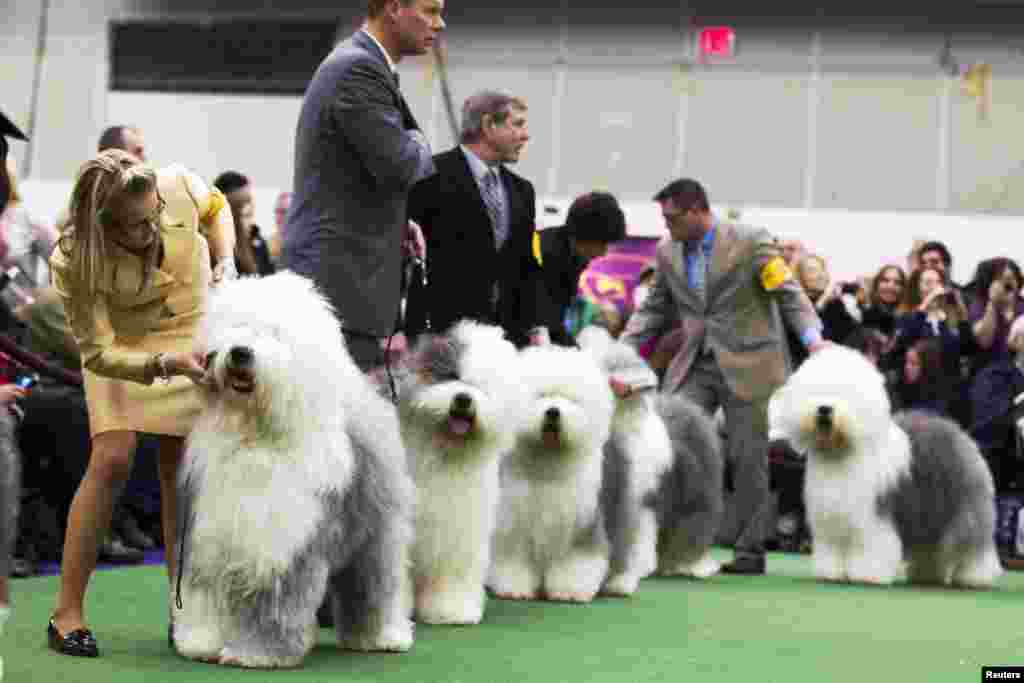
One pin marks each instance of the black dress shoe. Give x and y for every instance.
(127, 527)
(746, 565)
(115, 551)
(79, 643)
(22, 567)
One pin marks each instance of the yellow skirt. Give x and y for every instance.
(158, 408)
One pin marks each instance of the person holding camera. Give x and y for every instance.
(133, 269)
(932, 309)
(996, 380)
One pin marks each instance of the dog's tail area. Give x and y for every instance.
(689, 501)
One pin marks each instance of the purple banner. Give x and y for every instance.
(611, 278)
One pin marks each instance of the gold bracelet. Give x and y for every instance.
(160, 360)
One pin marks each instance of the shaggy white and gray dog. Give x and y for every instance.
(460, 399)
(550, 539)
(881, 490)
(294, 486)
(662, 486)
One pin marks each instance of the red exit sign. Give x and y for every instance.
(716, 42)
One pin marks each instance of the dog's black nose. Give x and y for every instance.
(462, 403)
(825, 415)
(241, 355)
(552, 414)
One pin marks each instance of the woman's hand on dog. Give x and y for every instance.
(189, 364)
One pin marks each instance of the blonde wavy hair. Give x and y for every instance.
(102, 184)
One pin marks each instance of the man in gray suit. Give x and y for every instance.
(730, 289)
(358, 151)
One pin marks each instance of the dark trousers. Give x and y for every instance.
(365, 350)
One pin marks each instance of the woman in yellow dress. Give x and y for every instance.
(132, 267)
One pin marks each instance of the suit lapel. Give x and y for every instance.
(364, 41)
(469, 188)
(514, 200)
(721, 258)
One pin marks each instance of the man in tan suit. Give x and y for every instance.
(729, 288)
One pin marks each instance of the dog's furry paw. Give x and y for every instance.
(704, 568)
(514, 595)
(466, 616)
(621, 585)
(248, 660)
(390, 639)
(564, 596)
(201, 645)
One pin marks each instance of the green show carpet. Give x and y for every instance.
(783, 627)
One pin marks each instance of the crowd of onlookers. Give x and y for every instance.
(953, 349)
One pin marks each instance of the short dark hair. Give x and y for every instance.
(112, 138)
(596, 217)
(991, 269)
(229, 181)
(935, 245)
(375, 7)
(686, 193)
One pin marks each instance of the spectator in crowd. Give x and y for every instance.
(935, 254)
(996, 380)
(719, 306)
(914, 255)
(126, 138)
(9, 485)
(884, 297)
(479, 221)
(792, 251)
(833, 299)
(25, 246)
(931, 309)
(281, 204)
(129, 338)
(869, 341)
(594, 221)
(358, 152)
(252, 254)
(924, 383)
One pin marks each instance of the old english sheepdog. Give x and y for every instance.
(294, 486)
(550, 538)
(662, 487)
(881, 490)
(460, 399)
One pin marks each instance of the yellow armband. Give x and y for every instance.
(774, 273)
(216, 202)
(537, 255)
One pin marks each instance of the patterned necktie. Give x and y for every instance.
(697, 271)
(495, 206)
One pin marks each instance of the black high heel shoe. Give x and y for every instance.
(79, 643)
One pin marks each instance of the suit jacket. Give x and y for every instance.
(355, 161)
(122, 324)
(463, 261)
(113, 326)
(742, 319)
